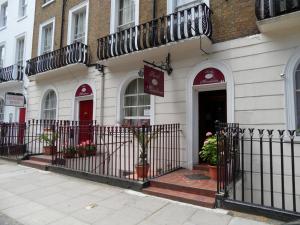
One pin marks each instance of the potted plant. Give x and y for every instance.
(209, 154)
(86, 148)
(49, 138)
(69, 152)
(143, 136)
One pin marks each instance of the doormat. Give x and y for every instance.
(197, 177)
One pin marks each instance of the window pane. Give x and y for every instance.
(144, 111)
(131, 101)
(297, 78)
(140, 85)
(132, 88)
(144, 99)
(129, 112)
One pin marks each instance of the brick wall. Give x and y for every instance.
(146, 9)
(98, 23)
(233, 19)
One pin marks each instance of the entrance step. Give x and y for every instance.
(35, 164)
(180, 196)
(189, 186)
(202, 167)
(41, 158)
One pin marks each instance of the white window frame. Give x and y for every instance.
(297, 69)
(42, 25)
(114, 15)
(2, 25)
(21, 8)
(172, 5)
(18, 38)
(2, 45)
(137, 95)
(73, 11)
(47, 3)
(3, 109)
(43, 104)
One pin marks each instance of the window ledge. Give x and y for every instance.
(3, 28)
(47, 3)
(21, 18)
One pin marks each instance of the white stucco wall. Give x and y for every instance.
(15, 28)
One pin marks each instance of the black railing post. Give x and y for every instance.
(251, 131)
(270, 134)
(242, 133)
(281, 136)
(261, 134)
(292, 136)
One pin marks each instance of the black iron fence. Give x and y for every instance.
(71, 54)
(134, 153)
(13, 72)
(259, 167)
(180, 25)
(270, 8)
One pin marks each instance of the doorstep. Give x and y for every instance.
(189, 186)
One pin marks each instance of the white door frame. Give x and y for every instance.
(192, 129)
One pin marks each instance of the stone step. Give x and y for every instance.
(192, 190)
(35, 164)
(41, 158)
(190, 198)
(202, 167)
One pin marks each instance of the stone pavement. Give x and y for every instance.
(32, 197)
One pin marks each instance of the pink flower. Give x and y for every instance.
(206, 142)
(208, 134)
(87, 142)
(83, 144)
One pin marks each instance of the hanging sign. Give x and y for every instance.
(84, 90)
(209, 76)
(14, 99)
(153, 81)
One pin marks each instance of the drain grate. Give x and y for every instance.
(197, 177)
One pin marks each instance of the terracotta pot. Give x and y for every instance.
(142, 170)
(50, 150)
(68, 155)
(213, 172)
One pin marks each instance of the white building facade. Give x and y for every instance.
(16, 29)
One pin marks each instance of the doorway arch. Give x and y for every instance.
(192, 130)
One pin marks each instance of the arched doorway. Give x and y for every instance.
(206, 79)
(84, 99)
(212, 104)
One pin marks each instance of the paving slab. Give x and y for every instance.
(52, 199)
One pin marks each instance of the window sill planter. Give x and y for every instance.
(50, 150)
(142, 170)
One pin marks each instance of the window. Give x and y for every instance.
(282, 6)
(297, 98)
(79, 26)
(126, 13)
(3, 14)
(136, 106)
(184, 4)
(49, 106)
(20, 51)
(2, 52)
(47, 36)
(22, 8)
(2, 110)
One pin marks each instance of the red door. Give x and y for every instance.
(22, 115)
(85, 120)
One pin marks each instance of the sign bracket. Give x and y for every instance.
(166, 66)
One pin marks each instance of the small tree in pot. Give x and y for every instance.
(209, 154)
(49, 138)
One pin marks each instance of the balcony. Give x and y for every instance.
(185, 24)
(11, 73)
(275, 15)
(76, 53)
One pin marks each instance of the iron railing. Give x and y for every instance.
(119, 151)
(13, 72)
(270, 8)
(71, 54)
(264, 168)
(187, 23)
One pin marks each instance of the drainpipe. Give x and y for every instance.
(102, 100)
(62, 23)
(153, 9)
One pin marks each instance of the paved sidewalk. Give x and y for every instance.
(33, 197)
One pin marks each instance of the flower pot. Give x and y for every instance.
(50, 150)
(213, 172)
(81, 152)
(142, 170)
(69, 155)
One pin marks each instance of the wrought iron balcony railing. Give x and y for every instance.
(270, 8)
(71, 54)
(13, 72)
(187, 23)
